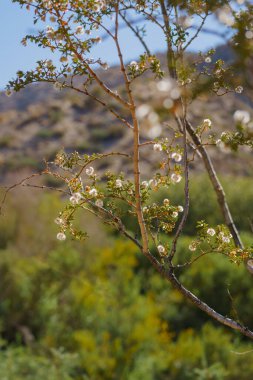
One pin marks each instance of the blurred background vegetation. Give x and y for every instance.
(97, 310)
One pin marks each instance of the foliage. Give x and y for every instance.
(203, 201)
(20, 363)
(82, 313)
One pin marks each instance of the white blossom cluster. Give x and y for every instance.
(90, 171)
(225, 238)
(161, 249)
(175, 177)
(177, 157)
(207, 123)
(75, 198)
(210, 231)
(61, 236)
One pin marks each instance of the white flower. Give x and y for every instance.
(73, 55)
(175, 178)
(58, 220)
(192, 247)
(99, 203)
(220, 144)
(104, 65)
(48, 63)
(180, 208)
(89, 171)
(241, 116)
(61, 236)
(210, 231)
(157, 147)
(145, 209)
(207, 123)
(176, 157)
(50, 32)
(239, 89)
(79, 30)
(152, 183)
(249, 34)
(134, 65)
(58, 85)
(59, 37)
(161, 249)
(118, 183)
(225, 239)
(208, 59)
(166, 202)
(75, 198)
(144, 184)
(174, 214)
(93, 192)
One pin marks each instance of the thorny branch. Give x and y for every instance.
(136, 137)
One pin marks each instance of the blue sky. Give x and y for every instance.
(16, 23)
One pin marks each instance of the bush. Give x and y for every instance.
(18, 363)
(204, 205)
(79, 312)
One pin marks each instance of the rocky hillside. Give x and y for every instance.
(38, 121)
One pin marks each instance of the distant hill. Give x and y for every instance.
(38, 121)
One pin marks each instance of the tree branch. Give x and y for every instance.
(221, 197)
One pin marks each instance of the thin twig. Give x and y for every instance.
(136, 33)
(196, 34)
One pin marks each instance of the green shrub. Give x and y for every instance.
(18, 363)
(204, 205)
(112, 314)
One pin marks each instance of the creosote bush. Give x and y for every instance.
(73, 28)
